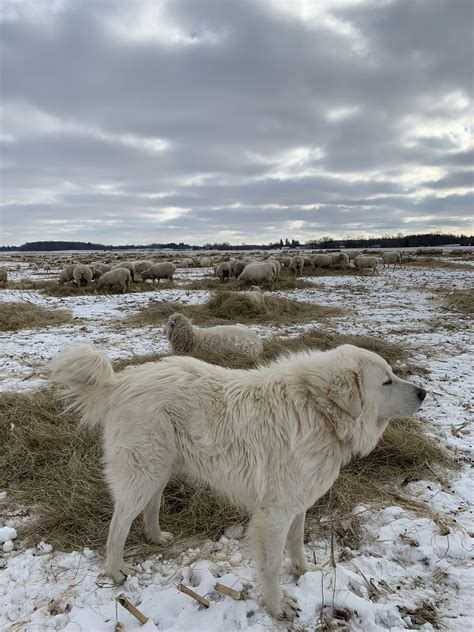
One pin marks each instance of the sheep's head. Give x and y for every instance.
(179, 332)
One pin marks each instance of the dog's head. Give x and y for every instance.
(365, 393)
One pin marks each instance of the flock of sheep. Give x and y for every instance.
(248, 271)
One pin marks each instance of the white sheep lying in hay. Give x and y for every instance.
(157, 271)
(258, 274)
(392, 257)
(362, 262)
(187, 339)
(82, 274)
(118, 277)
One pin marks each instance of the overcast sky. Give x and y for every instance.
(239, 121)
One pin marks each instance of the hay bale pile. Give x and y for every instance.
(23, 315)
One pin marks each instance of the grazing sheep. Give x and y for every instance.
(82, 274)
(285, 262)
(297, 265)
(33, 266)
(322, 261)
(185, 263)
(362, 261)
(189, 340)
(129, 265)
(98, 269)
(391, 257)
(205, 262)
(102, 267)
(47, 267)
(120, 277)
(339, 260)
(157, 271)
(238, 268)
(258, 274)
(276, 263)
(3, 277)
(307, 261)
(66, 274)
(223, 271)
(141, 266)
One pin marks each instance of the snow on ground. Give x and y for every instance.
(402, 563)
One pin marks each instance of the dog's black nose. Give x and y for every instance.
(421, 393)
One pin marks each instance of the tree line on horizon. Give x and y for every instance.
(398, 241)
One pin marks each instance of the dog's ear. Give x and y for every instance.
(345, 392)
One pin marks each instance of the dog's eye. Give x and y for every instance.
(389, 381)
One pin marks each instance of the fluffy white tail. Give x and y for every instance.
(80, 369)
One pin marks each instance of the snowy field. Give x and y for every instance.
(403, 566)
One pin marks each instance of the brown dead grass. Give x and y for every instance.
(460, 301)
(31, 284)
(53, 465)
(24, 315)
(226, 307)
(437, 262)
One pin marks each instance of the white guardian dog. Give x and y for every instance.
(272, 439)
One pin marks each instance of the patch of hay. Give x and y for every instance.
(395, 354)
(53, 465)
(229, 307)
(437, 262)
(424, 614)
(23, 315)
(71, 289)
(405, 453)
(460, 301)
(31, 284)
(285, 281)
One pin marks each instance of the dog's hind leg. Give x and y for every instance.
(267, 536)
(125, 511)
(295, 548)
(151, 515)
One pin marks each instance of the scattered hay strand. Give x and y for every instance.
(24, 315)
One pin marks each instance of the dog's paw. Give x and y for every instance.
(307, 567)
(119, 576)
(164, 537)
(288, 608)
(285, 610)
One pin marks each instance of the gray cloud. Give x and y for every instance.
(202, 121)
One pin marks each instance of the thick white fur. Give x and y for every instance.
(196, 341)
(271, 439)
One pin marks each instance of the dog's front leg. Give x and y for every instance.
(295, 547)
(272, 529)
